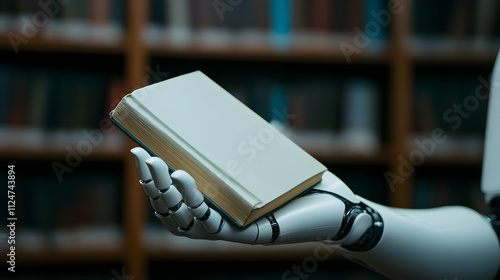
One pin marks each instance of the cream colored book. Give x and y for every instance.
(243, 165)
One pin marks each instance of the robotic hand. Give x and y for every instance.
(450, 242)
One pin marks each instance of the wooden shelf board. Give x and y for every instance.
(36, 144)
(41, 43)
(50, 153)
(264, 52)
(450, 51)
(455, 151)
(69, 255)
(91, 244)
(338, 147)
(454, 160)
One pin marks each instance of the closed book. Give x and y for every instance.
(243, 165)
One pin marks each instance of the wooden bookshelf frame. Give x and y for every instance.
(399, 59)
(134, 207)
(400, 113)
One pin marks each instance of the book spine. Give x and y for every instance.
(7, 13)
(178, 21)
(38, 99)
(99, 12)
(278, 105)
(280, 24)
(321, 20)
(361, 113)
(372, 17)
(210, 202)
(17, 115)
(484, 21)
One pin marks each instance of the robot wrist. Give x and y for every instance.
(361, 227)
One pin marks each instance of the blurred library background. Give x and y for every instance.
(390, 95)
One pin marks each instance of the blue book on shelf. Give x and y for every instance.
(374, 16)
(278, 109)
(280, 24)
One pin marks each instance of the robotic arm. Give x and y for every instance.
(443, 243)
(450, 242)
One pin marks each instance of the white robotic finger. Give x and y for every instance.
(140, 157)
(146, 180)
(167, 221)
(169, 194)
(194, 199)
(159, 173)
(187, 186)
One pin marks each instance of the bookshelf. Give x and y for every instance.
(395, 61)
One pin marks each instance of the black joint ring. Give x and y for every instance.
(162, 214)
(146, 182)
(189, 227)
(205, 216)
(176, 207)
(274, 227)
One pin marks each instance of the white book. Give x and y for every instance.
(243, 165)
(360, 122)
(178, 18)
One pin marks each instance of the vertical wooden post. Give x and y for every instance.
(401, 91)
(136, 59)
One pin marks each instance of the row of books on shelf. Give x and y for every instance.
(57, 215)
(457, 19)
(249, 22)
(299, 22)
(76, 20)
(436, 191)
(280, 22)
(52, 107)
(447, 148)
(316, 112)
(457, 106)
(456, 26)
(35, 101)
